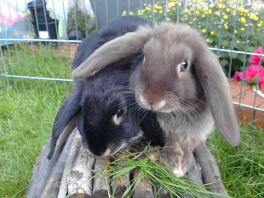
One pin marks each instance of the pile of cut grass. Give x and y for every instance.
(28, 107)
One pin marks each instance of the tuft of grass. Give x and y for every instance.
(242, 167)
(27, 111)
(158, 175)
(28, 108)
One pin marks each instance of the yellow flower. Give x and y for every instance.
(124, 13)
(131, 13)
(259, 24)
(197, 12)
(242, 29)
(220, 5)
(171, 4)
(210, 11)
(158, 7)
(208, 40)
(212, 33)
(225, 16)
(253, 17)
(148, 9)
(160, 11)
(186, 11)
(240, 9)
(228, 10)
(204, 30)
(217, 13)
(206, 8)
(226, 26)
(242, 19)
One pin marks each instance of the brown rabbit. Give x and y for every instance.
(181, 80)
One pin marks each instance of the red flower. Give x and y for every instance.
(238, 76)
(254, 60)
(252, 71)
(261, 80)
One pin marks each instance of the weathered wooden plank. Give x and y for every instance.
(120, 185)
(80, 179)
(101, 188)
(69, 164)
(40, 173)
(53, 183)
(143, 188)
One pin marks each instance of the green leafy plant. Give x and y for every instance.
(235, 25)
(80, 20)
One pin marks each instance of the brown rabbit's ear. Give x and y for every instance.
(217, 92)
(112, 51)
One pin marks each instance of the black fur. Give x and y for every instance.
(98, 98)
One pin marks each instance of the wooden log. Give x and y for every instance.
(209, 169)
(101, 187)
(69, 164)
(38, 177)
(143, 188)
(69, 174)
(52, 187)
(120, 185)
(80, 179)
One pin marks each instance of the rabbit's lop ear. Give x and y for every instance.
(65, 121)
(112, 51)
(217, 92)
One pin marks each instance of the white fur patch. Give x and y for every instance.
(107, 152)
(179, 172)
(117, 120)
(143, 100)
(159, 105)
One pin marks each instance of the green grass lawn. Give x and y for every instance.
(28, 107)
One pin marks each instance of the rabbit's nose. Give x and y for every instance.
(159, 105)
(152, 103)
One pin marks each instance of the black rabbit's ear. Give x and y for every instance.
(65, 120)
(114, 50)
(217, 92)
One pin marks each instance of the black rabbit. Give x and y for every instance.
(102, 106)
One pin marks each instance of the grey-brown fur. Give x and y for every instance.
(188, 102)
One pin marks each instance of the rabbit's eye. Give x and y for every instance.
(120, 112)
(184, 65)
(117, 118)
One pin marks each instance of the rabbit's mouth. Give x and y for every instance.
(113, 149)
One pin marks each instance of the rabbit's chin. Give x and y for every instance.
(114, 149)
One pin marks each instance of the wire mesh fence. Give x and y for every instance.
(38, 40)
